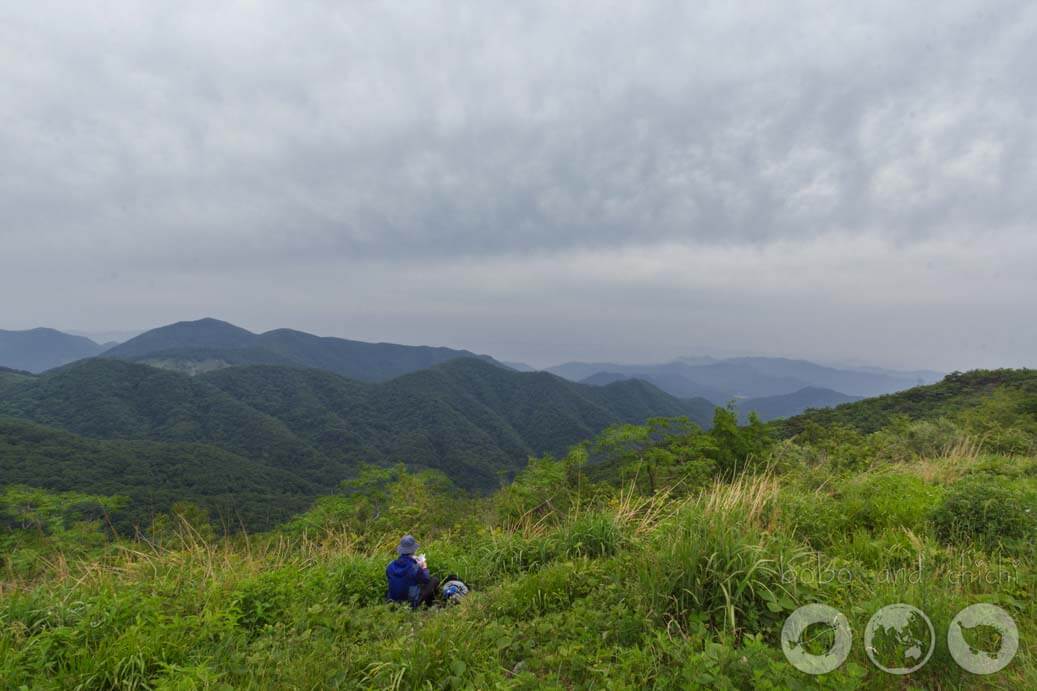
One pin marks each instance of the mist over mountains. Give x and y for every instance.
(771, 387)
(747, 377)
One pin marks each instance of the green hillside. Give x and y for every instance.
(109, 399)
(151, 475)
(1011, 393)
(10, 377)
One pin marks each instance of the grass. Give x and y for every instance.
(606, 590)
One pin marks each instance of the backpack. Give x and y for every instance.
(453, 590)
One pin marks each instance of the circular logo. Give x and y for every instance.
(796, 641)
(970, 656)
(900, 636)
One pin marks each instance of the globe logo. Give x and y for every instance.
(982, 624)
(831, 633)
(899, 639)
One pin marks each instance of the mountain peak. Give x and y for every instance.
(208, 323)
(207, 333)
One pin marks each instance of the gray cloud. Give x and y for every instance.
(156, 153)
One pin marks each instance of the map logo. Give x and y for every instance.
(972, 621)
(798, 640)
(899, 639)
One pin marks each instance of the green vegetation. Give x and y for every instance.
(1001, 400)
(655, 555)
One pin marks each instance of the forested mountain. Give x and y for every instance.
(787, 405)
(209, 344)
(151, 475)
(473, 420)
(723, 380)
(109, 399)
(38, 350)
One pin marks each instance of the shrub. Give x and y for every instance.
(716, 569)
(503, 553)
(985, 509)
(357, 580)
(817, 518)
(889, 500)
(553, 588)
(589, 535)
(264, 599)
(1010, 442)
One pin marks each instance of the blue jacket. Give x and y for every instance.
(405, 579)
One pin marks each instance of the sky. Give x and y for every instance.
(541, 181)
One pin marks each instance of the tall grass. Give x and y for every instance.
(630, 591)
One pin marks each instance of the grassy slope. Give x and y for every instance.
(623, 593)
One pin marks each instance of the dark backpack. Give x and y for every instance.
(453, 590)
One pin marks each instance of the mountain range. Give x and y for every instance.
(210, 344)
(773, 387)
(302, 430)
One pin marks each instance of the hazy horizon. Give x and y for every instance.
(535, 182)
(120, 336)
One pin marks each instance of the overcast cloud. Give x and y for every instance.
(593, 180)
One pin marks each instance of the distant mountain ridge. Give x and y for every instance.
(38, 350)
(672, 383)
(208, 344)
(747, 377)
(786, 405)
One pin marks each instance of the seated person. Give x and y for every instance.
(409, 579)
